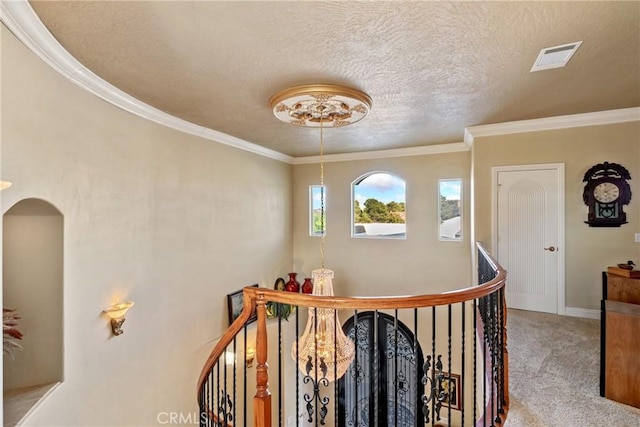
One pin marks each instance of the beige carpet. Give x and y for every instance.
(555, 372)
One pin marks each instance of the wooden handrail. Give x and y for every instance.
(252, 294)
(224, 341)
(383, 302)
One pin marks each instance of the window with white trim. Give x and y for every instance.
(379, 207)
(450, 209)
(317, 210)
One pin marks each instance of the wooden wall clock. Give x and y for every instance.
(605, 193)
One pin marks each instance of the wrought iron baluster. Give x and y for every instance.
(395, 369)
(296, 368)
(415, 353)
(335, 365)
(484, 371)
(498, 356)
(223, 402)
(502, 335)
(492, 352)
(201, 399)
(233, 415)
(475, 360)
(448, 391)
(217, 408)
(244, 391)
(375, 368)
(433, 369)
(464, 362)
(212, 392)
(315, 364)
(357, 368)
(280, 371)
(317, 405)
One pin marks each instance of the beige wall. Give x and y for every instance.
(420, 264)
(589, 250)
(170, 221)
(175, 223)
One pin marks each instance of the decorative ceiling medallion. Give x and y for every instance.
(308, 105)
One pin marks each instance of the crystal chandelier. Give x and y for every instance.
(323, 344)
(323, 351)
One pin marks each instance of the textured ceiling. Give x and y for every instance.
(432, 68)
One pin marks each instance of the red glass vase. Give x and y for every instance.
(292, 285)
(307, 286)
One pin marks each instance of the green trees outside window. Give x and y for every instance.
(379, 208)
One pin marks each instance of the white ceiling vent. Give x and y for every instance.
(555, 57)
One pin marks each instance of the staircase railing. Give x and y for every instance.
(438, 359)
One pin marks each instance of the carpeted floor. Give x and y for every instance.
(554, 366)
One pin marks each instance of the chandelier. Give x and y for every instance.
(323, 351)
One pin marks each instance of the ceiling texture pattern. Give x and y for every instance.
(431, 68)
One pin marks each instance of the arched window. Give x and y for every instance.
(379, 206)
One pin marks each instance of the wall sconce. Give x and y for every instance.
(5, 184)
(116, 312)
(249, 356)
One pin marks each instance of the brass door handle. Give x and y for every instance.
(550, 249)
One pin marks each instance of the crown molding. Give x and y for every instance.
(552, 123)
(22, 21)
(454, 147)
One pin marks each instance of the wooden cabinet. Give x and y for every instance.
(622, 289)
(620, 339)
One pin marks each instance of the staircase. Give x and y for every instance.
(438, 359)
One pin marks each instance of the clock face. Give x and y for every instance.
(606, 192)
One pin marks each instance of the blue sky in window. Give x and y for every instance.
(451, 189)
(386, 188)
(383, 187)
(316, 196)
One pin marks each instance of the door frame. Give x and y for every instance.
(559, 168)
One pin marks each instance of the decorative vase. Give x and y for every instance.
(276, 309)
(292, 285)
(307, 286)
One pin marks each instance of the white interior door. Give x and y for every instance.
(530, 235)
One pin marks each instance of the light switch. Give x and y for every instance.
(638, 237)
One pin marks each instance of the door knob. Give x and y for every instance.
(550, 249)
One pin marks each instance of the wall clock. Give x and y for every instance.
(605, 193)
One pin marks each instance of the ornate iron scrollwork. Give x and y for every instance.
(225, 409)
(316, 397)
(434, 391)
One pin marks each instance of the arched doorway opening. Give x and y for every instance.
(33, 286)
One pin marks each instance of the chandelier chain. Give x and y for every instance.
(322, 190)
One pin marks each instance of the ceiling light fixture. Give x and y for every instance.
(323, 352)
(320, 105)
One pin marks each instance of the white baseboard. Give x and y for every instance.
(587, 313)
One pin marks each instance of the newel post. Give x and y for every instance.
(262, 399)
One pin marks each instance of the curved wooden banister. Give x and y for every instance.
(251, 294)
(384, 302)
(225, 339)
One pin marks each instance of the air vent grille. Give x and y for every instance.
(555, 57)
